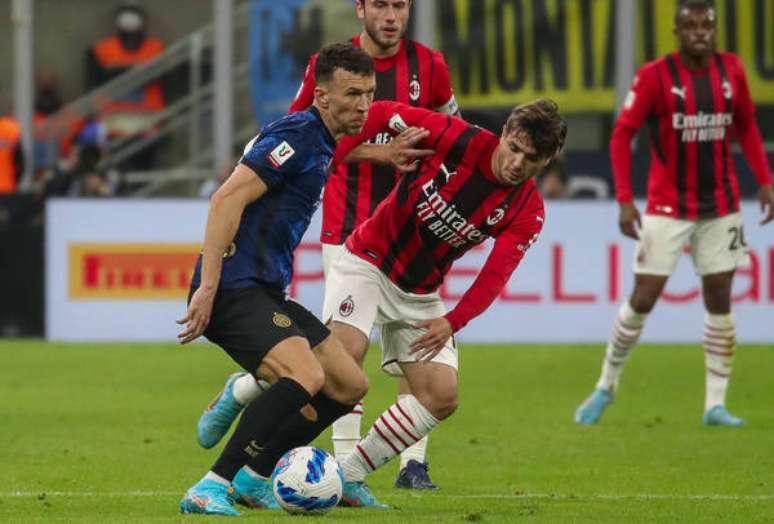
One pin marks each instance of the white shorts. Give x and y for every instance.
(330, 252)
(357, 293)
(716, 245)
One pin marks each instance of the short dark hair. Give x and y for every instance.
(704, 5)
(344, 56)
(541, 121)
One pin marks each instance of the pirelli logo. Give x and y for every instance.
(131, 271)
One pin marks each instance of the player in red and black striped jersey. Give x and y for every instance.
(406, 71)
(694, 100)
(458, 198)
(474, 186)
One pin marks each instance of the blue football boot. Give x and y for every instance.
(252, 492)
(719, 416)
(415, 476)
(219, 415)
(358, 495)
(209, 498)
(592, 408)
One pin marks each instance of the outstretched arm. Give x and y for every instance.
(401, 152)
(507, 253)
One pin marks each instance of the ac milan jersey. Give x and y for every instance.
(691, 114)
(452, 203)
(417, 76)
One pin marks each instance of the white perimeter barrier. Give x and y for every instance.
(119, 270)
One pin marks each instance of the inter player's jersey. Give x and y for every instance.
(448, 206)
(292, 156)
(417, 76)
(691, 115)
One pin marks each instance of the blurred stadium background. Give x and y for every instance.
(100, 247)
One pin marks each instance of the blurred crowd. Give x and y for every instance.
(71, 151)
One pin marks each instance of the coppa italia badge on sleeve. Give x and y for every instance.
(280, 154)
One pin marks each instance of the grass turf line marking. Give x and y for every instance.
(503, 496)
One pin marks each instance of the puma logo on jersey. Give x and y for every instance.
(281, 154)
(448, 174)
(679, 91)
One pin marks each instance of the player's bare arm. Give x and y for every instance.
(400, 152)
(226, 207)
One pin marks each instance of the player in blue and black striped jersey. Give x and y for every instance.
(256, 220)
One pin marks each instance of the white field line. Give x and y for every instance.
(491, 496)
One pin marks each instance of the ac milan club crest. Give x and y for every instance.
(414, 89)
(496, 216)
(347, 306)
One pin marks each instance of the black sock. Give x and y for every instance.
(298, 431)
(260, 420)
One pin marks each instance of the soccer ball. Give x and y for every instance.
(307, 480)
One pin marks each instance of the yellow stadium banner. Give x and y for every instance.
(502, 52)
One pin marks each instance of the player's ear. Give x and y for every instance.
(321, 96)
(360, 9)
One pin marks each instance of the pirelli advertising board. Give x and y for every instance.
(119, 270)
(502, 52)
(129, 271)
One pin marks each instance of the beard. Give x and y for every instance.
(374, 34)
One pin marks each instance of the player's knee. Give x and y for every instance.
(444, 404)
(642, 302)
(311, 377)
(356, 388)
(315, 379)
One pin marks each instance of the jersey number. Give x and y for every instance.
(737, 238)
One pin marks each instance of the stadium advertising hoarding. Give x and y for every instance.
(502, 52)
(119, 270)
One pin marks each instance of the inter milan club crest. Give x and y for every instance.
(496, 216)
(347, 306)
(281, 320)
(414, 89)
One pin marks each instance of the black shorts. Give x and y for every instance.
(248, 322)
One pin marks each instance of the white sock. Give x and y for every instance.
(403, 424)
(719, 342)
(253, 473)
(626, 331)
(346, 433)
(217, 478)
(246, 389)
(416, 451)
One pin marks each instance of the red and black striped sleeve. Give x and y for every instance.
(639, 103)
(509, 249)
(747, 133)
(442, 94)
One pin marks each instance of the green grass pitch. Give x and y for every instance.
(106, 433)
